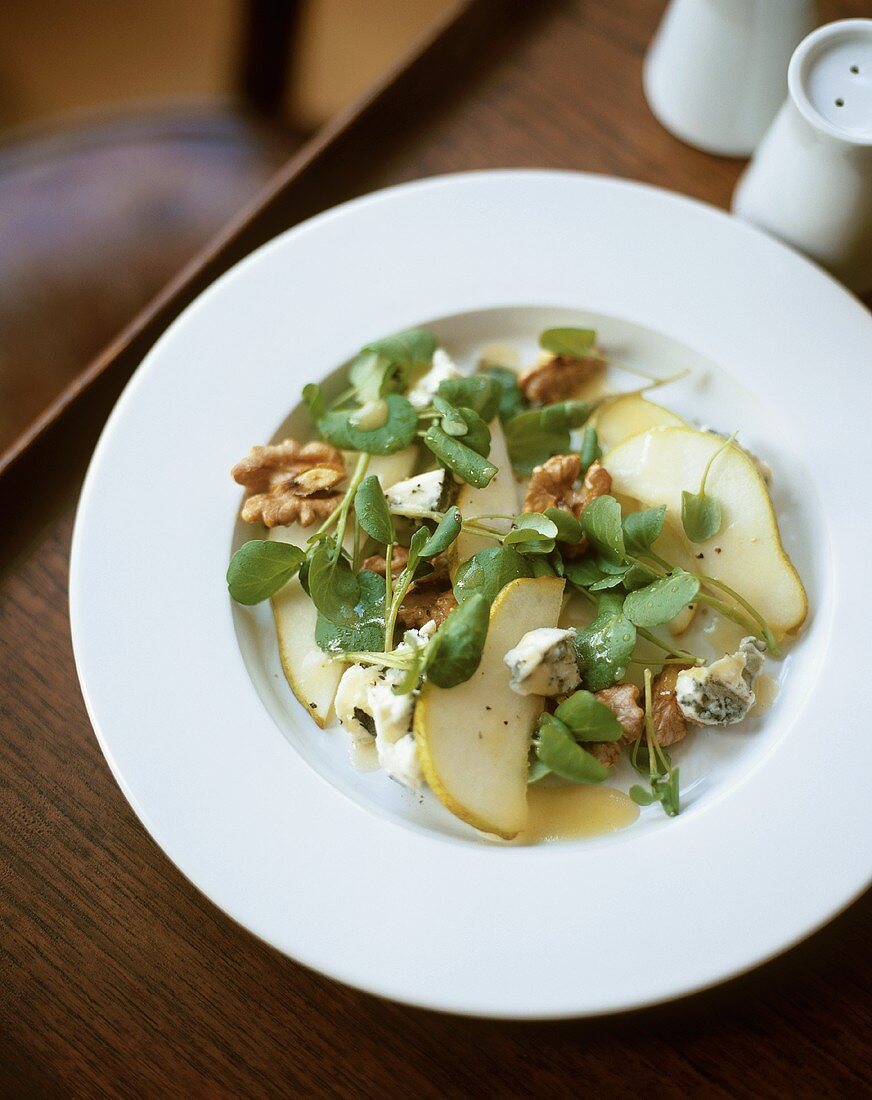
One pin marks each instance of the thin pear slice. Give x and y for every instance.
(747, 553)
(619, 420)
(473, 739)
(499, 496)
(313, 676)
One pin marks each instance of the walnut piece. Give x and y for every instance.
(552, 485)
(623, 699)
(420, 606)
(290, 482)
(606, 752)
(376, 563)
(557, 378)
(670, 725)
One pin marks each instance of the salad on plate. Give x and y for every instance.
(505, 581)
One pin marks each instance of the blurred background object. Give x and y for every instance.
(131, 133)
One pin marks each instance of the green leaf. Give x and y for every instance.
(333, 586)
(610, 580)
(537, 434)
(409, 350)
(372, 512)
(373, 376)
(260, 568)
(537, 771)
(701, 516)
(512, 400)
(583, 573)
(588, 718)
(665, 789)
(642, 797)
(314, 401)
(662, 600)
(366, 629)
(642, 529)
(637, 576)
(477, 392)
(606, 646)
(531, 527)
(601, 522)
(446, 532)
(454, 652)
(459, 458)
(571, 343)
(568, 527)
(488, 572)
(590, 449)
(542, 567)
(397, 432)
(560, 753)
(452, 422)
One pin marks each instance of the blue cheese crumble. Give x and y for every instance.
(721, 693)
(544, 662)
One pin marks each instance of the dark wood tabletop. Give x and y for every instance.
(117, 978)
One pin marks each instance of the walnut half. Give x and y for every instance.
(558, 378)
(552, 485)
(290, 482)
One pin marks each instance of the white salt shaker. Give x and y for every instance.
(714, 74)
(810, 181)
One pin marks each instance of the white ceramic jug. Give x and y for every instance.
(715, 73)
(810, 181)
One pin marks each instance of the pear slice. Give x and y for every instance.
(473, 739)
(499, 496)
(313, 675)
(626, 416)
(747, 553)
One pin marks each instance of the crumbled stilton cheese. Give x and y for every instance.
(544, 662)
(424, 493)
(425, 388)
(723, 692)
(368, 709)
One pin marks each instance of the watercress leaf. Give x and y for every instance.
(395, 433)
(372, 510)
(511, 399)
(605, 647)
(447, 530)
(637, 576)
(314, 401)
(408, 350)
(601, 522)
(477, 435)
(366, 629)
(588, 718)
(261, 567)
(478, 392)
(542, 567)
(611, 568)
(459, 458)
(333, 587)
(560, 753)
(556, 559)
(454, 652)
(590, 449)
(531, 527)
(452, 422)
(701, 516)
(642, 797)
(373, 375)
(661, 600)
(642, 529)
(489, 571)
(537, 434)
(583, 573)
(666, 789)
(571, 343)
(537, 771)
(611, 580)
(568, 527)
(418, 541)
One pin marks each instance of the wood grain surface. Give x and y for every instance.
(116, 977)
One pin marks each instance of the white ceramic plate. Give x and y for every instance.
(346, 873)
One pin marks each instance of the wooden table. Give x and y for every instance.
(117, 977)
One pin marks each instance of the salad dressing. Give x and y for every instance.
(569, 813)
(766, 690)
